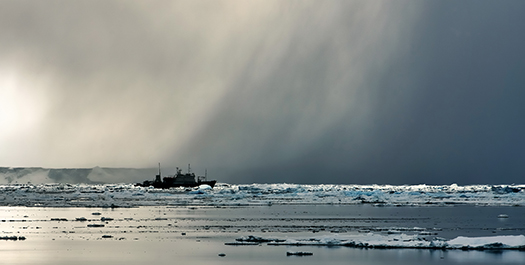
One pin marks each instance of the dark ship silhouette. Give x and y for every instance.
(178, 180)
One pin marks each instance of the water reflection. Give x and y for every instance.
(486, 257)
(155, 234)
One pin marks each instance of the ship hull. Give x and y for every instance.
(163, 185)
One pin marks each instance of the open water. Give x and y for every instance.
(197, 234)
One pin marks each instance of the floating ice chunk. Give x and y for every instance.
(372, 240)
(205, 187)
(202, 189)
(257, 239)
(242, 243)
(14, 238)
(95, 225)
(393, 232)
(299, 253)
(505, 189)
(492, 242)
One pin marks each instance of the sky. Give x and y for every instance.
(387, 92)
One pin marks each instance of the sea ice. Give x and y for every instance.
(371, 240)
(299, 253)
(128, 195)
(493, 242)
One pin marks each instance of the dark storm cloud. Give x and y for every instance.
(464, 123)
(446, 109)
(268, 91)
(297, 88)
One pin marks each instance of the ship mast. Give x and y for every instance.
(158, 178)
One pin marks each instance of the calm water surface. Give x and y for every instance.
(196, 235)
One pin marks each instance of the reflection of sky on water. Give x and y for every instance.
(155, 234)
(485, 257)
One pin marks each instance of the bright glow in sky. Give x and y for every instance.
(23, 108)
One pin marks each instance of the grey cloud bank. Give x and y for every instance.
(268, 91)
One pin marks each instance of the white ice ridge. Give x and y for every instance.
(372, 240)
(129, 195)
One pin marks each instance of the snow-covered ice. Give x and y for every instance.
(494, 242)
(129, 195)
(371, 240)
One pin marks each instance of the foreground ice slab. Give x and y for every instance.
(128, 195)
(372, 240)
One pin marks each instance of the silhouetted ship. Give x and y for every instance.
(178, 180)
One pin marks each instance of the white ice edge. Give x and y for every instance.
(371, 240)
(129, 195)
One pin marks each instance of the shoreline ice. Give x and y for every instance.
(128, 195)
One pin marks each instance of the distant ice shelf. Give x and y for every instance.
(128, 195)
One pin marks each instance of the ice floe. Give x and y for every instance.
(129, 195)
(371, 240)
(13, 238)
(299, 253)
